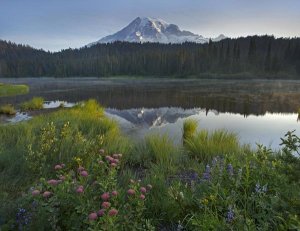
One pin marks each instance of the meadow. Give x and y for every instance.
(73, 169)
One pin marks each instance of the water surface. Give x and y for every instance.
(257, 110)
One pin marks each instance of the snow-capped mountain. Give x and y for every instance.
(146, 29)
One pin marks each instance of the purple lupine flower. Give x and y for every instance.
(257, 188)
(240, 171)
(34, 204)
(194, 176)
(22, 217)
(214, 162)
(221, 165)
(261, 189)
(230, 169)
(206, 174)
(230, 215)
(265, 188)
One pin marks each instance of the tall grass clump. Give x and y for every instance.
(11, 90)
(204, 145)
(156, 150)
(35, 103)
(7, 109)
(189, 129)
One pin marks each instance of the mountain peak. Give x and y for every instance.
(150, 29)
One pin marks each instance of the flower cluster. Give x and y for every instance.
(51, 182)
(23, 217)
(106, 208)
(261, 189)
(230, 170)
(82, 172)
(113, 160)
(136, 190)
(230, 215)
(207, 173)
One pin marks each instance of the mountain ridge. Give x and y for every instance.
(148, 29)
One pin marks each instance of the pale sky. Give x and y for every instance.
(58, 24)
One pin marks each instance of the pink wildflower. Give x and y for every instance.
(101, 212)
(46, 194)
(109, 158)
(100, 162)
(57, 167)
(52, 182)
(84, 173)
(142, 196)
(105, 205)
(114, 193)
(131, 192)
(113, 165)
(62, 165)
(35, 192)
(80, 168)
(105, 196)
(80, 189)
(116, 156)
(116, 161)
(101, 151)
(149, 186)
(113, 212)
(62, 178)
(93, 216)
(143, 190)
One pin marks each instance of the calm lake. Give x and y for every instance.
(259, 111)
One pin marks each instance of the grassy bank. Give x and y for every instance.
(10, 90)
(7, 110)
(73, 169)
(35, 103)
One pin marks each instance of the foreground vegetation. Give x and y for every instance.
(10, 90)
(73, 169)
(35, 103)
(7, 109)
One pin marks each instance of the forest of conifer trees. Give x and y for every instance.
(262, 56)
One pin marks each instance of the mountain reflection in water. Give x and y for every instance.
(245, 97)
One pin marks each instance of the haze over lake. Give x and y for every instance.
(259, 111)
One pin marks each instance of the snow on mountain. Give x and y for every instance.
(146, 29)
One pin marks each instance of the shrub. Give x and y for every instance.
(35, 103)
(7, 110)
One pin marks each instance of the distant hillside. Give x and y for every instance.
(258, 56)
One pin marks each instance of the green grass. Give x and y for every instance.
(7, 109)
(180, 194)
(204, 145)
(11, 90)
(35, 103)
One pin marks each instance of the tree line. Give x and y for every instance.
(253, 55)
